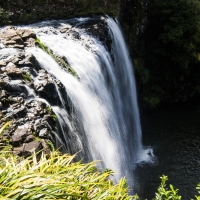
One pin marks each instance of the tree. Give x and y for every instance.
(172, 43)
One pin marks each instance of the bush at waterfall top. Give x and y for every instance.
(35, 10)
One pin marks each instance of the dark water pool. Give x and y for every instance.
(174, 134)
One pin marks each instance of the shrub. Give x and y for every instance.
(56, 177)
(166, 193)
(4, 16)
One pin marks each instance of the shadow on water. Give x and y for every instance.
(174, 135)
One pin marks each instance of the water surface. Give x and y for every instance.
(174, 134)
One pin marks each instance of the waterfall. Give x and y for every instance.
(103, 123)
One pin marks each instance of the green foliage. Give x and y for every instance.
(5, 126)
(41, 45)
(151, 102)
(54, 117)
(50, 111)
(165, 36)
(59, 60)
(4, 16)
(165, 193)
(173, 32)
(198, 189)
(56, 177)
(29, 11)
(136, 197)
(51, 146)
(172, 43)
(143, 74)
(27, 76)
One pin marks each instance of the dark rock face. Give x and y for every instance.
(45, 86)
(97, 27)
(22, 83)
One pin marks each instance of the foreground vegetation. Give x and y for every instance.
(56, 177)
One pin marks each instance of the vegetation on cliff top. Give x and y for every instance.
(164, 38)
(23, 11)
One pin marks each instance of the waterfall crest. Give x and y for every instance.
(103, 122)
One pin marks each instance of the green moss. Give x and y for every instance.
(27, 76)
(50, 111)
(58, 59)
(37, 138)
(54, 117)
(51, 146)
(35, 133)
(41, 45)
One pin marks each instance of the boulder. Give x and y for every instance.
(30, 61)
(30, 42)
(26, 33)
(32, 147)
(17, 38)
(28, 148)
(20, 112)
(12, 70)
(29, 138)
(20, 135)
(2, 63)
(45, 86)
(44, 133)
(45, 146)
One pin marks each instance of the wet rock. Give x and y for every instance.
(29, 138)
(17, 38)
(12, 70)
(32, 147)
(31, 118)
(3, 94)
(19, 135)
(26, 33)
(48, 118)
(44, 133)
(45, 146)
(2, 63)
(40, 124)
(11, 38)
(29, 61)
(28, 148)
(19, 100)
(31, 58)
(30, 42)
(66, 29)
(20, 112)
(16, 140)
(45, 86)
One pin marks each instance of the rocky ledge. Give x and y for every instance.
(27, 93)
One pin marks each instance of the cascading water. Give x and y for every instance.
(104, 122)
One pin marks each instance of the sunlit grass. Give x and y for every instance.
(56, 177)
